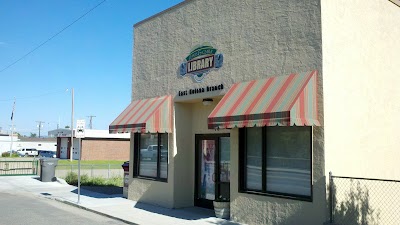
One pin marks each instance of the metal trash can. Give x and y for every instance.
(48, 169)
(125, 166)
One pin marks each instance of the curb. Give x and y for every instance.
(94, 211)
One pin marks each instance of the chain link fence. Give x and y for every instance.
(13, 168)
(361, 201)
(92, 170)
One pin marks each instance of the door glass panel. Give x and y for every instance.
(225, 158)
(207, 167)
(224, 164)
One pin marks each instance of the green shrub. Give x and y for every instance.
(72, 179)
(84, 178)
(116, 181)
(7, 154)
(96, 181)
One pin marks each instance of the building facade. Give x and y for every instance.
(96, 145)
(254, 102)
(45, 144)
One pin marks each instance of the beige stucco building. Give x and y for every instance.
(256, 101)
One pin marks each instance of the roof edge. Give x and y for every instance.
(160, 13)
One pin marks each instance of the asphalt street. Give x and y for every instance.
(22, 209)
(28, 201)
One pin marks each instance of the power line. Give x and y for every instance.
(34, 96)
(55, 35)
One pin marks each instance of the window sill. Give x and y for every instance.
(279, 195)
(164, 180)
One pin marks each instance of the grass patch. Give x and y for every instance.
(72, 179)
(91, 162)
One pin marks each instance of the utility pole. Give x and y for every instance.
(90, 121)
(72, 127)
(39, 125)
(12, 128)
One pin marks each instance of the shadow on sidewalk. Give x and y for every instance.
(190, 213)
(100, 191)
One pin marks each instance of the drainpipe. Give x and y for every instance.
(330, 197)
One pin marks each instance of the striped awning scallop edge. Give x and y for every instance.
(147, 115)
(280, 100)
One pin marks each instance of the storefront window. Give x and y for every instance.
(254, 159)
(288, 160)
(276, 161)
(152, 155)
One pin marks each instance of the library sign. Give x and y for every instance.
(201, 60)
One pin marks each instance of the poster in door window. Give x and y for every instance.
(207, 188)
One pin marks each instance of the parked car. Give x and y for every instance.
(12, 151)
(150, 153)
(47, 154)
(25, 152)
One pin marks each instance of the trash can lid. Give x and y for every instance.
(47, 159)
(125, 166)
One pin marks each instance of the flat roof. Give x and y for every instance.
(96, 134)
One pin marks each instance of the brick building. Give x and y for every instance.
(97, 145)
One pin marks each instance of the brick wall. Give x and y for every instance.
(105, 149)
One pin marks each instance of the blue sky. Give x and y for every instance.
(94, 56)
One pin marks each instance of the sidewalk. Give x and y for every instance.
(114, 206)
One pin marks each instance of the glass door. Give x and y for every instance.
(212, 169)
(224, 168)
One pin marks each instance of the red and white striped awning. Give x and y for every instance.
(148, 115)
(281, 100)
